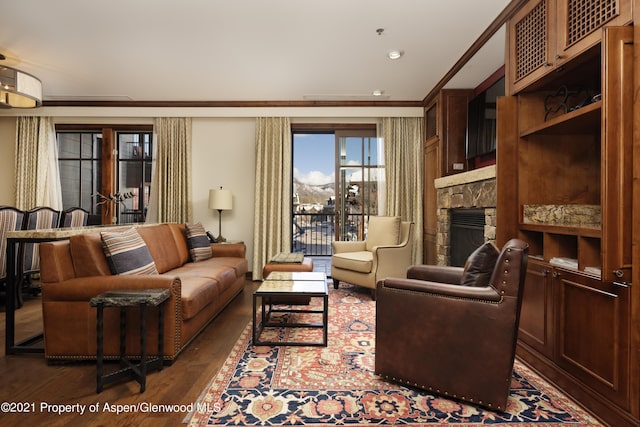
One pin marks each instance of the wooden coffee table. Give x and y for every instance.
(290, 284)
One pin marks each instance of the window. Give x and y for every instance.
(79, 160)
(359, 174)
(90, 165)
(337, 173)
(134, 175)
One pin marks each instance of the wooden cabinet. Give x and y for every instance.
(444, 154)
(565, 186)
(545, 35)
(592, 340)
(536, 316)
(446, 123)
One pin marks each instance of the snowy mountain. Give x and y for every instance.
(313, 194)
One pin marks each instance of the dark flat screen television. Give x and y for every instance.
(481, 121)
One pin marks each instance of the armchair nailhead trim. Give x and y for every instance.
(446, 393)
(404, 291)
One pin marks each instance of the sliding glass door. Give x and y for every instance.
(359, 174)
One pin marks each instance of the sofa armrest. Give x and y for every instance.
(436, 273)
(232, 250)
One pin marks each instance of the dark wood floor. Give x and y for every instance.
(29, 379)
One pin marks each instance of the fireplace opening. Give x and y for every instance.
(466, 234)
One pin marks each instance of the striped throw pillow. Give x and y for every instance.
(198, 242)
(127, 253)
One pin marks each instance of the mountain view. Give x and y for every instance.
(313, 194)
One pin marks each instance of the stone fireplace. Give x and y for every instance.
(465, 192)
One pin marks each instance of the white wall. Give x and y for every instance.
(223, 155)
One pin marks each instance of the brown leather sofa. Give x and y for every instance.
(75, 270)
(434, 333)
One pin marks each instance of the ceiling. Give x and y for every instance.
(247, 50)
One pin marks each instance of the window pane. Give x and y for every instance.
(129, 146)
(86, 191)
(371, 186)
(69, 145)
(87, 145)
(371, 151)
(130, 175)
(69, 180)
(97, 144)
(351, 151)
(147, 146)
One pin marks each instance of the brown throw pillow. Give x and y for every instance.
(480, 264)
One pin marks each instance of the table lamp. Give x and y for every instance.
(220, 200)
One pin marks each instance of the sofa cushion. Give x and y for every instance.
(162, 247)
(180, 239)
(480, 264)
(88, 255)
(127, 253)
(198, 242)
(196, 293)
(383, 231)
(355, 261)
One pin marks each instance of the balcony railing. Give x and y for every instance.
(313, 233)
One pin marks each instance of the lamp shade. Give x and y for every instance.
(220, 199)
(19, 89)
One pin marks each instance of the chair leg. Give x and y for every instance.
(335, 283)
(373, 294)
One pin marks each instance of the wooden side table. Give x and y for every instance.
(141, 298)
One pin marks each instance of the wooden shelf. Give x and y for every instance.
(585, 120)
(565, 230)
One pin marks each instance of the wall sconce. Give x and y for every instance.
(19, 89)
(220, 200)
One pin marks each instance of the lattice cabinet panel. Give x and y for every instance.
(531, 40)
(544, 35)
(585, 16)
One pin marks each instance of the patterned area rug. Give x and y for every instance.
(336, 385)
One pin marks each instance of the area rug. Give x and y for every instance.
(336, 385)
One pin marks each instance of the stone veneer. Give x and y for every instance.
(473, 189)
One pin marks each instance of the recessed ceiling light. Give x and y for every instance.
(395, 54)
(376, 93)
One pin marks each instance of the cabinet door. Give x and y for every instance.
(454, 106)
(593, 333)
(536, 316)
(579, 23)
(617, 158)
(530, 44)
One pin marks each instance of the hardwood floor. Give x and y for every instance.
(28, 379)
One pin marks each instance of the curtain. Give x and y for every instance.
(272, 222)
(37, 172)
(171, 199)
(404, 171)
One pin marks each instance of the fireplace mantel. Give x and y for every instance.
(475, 175)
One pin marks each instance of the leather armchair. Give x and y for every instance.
(459, 341)
(386, 252)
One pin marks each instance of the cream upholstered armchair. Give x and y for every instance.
(386, 252)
